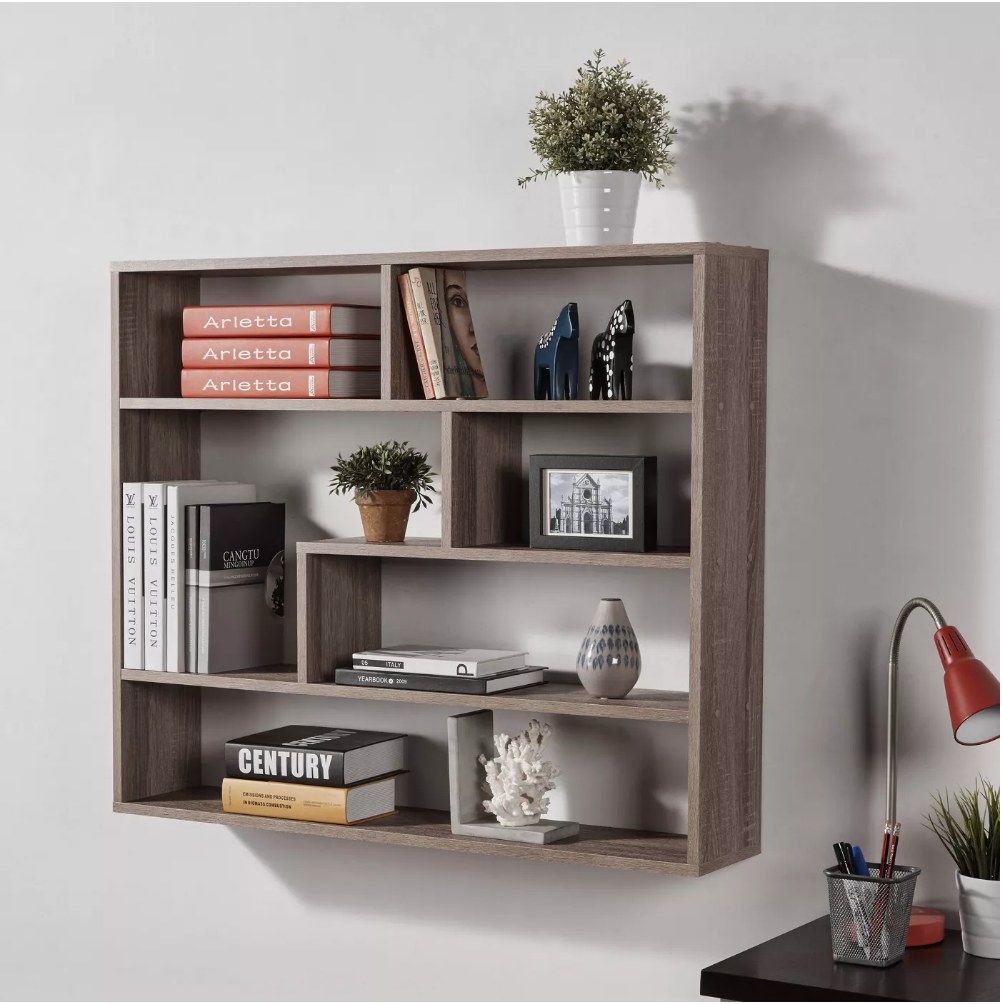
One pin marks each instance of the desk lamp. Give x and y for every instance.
(972, 694)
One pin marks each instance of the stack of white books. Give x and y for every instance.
(443, 670)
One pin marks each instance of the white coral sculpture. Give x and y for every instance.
(518, 778)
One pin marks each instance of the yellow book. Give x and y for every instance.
(310, 802)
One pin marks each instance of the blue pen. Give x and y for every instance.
(859, 862)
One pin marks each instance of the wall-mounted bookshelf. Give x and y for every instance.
(340, 584)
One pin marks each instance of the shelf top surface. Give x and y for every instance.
(566, 257)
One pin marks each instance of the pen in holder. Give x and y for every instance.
(869, 914)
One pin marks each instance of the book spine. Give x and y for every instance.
(153, 576)
(405, 681)
(463, 379)
(423, 286)
(276, 320)
(280, 764)
(191, 588)
(234, 383)
(133, 637)
(173, 562)
(256, 353)
(285, 801)
(414, 326)
(204, 596)
(450, 375)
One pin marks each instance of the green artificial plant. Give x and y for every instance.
(971, 833)
(389, 466)
(605, 121)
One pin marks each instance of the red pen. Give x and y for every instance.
(893, 852)
(884, 848)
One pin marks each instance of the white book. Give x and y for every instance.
(153, 577)
(179, 495)
(133, 638)
(433, 660)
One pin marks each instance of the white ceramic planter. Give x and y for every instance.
(979, 916)
(599, 207)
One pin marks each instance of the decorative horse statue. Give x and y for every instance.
(611, 375)
(556, 368)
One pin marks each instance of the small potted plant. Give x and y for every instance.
(971, 837)
(387, 480)
(600, 137)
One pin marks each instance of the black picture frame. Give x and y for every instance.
(579, 531)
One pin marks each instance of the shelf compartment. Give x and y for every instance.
(432, 549)
(552, 697)
(487, 407)
(602, 846)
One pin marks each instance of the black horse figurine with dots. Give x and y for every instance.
(611, 374)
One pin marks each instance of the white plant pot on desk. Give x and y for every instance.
(979, 916)
(599, 207)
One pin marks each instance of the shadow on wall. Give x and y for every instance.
(771, 176)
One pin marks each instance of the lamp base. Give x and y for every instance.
(926, 927)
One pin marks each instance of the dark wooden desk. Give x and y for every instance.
(798, 966)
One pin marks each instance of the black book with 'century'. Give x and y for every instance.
(315, 754)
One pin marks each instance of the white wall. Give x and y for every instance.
(857, 142)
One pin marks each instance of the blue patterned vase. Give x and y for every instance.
(609, 660)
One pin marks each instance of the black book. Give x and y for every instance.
(513, 679)
(315, 754)
(240, 581)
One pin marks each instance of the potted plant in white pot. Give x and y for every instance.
(387, 480)
(600, 137)
(971, 836)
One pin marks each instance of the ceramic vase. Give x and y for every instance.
(599, 207)
(609, 659)
(384, 515)
(979, 916)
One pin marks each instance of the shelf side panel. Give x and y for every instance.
(728, 505)
(150, 306)
(400, 377)
(339, 610)
(158, 742)
(482, 484)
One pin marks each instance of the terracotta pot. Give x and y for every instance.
(384, 515)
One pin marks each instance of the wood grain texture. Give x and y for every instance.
(372, 405)
(555, 698)
(554, 257)
(400, 376)
(426, 548)
(728, 485)
(602, 846)
(339, 611)
(149, 332)
(158, 742)
(483, 491)
(158, 446)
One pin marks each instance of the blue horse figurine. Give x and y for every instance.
(611, 374)
(556, 370)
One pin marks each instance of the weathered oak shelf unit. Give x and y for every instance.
(157, 436)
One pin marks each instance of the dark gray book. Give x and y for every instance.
(241, 573)
(512, 680)
(315, 754)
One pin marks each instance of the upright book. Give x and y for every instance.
(345, 351)
(280, 383)
(424, 296)
(179, 496)
(414, 326)
(133, 637)
(284, 320)
(354, 804)
(315, 754)
(437, 661)
(241, 552)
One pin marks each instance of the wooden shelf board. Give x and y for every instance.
(554, 698)
(487, 407)
(431, 548)
(603, 846)
(506, 258)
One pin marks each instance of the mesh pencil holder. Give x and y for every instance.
(869, 914)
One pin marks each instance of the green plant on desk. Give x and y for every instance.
(971, 833)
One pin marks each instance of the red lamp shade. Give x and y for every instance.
(971, 690)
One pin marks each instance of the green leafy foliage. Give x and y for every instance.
(604, 122)
(971, 834)
(389, 466)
